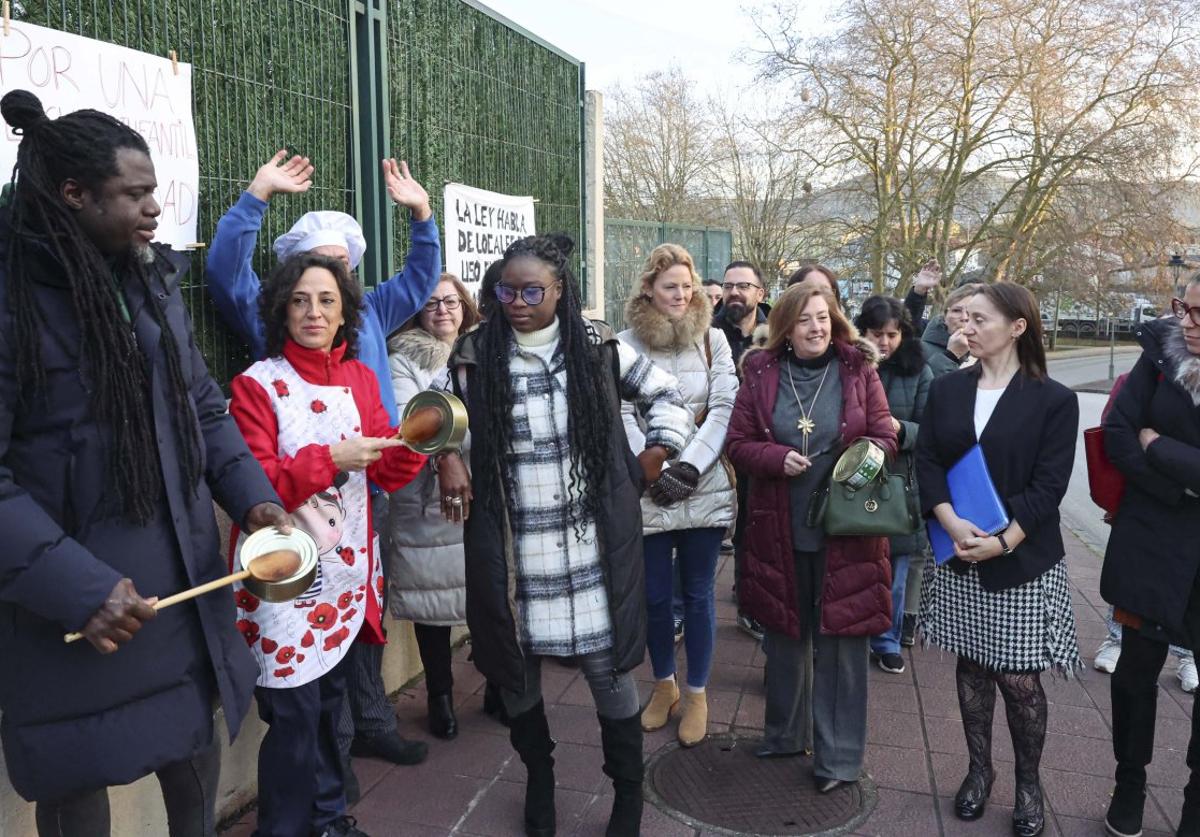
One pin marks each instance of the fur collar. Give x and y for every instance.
(421, 348)
(656, 331)
(1185, 366)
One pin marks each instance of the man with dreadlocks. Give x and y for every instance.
(114, 442)
(558, 519)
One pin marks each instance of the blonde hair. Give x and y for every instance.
(664, 257)
(791, 304)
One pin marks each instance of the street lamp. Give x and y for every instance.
(1176, 264)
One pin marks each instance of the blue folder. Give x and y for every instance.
(974, 497)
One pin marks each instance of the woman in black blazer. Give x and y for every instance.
(1003, 603)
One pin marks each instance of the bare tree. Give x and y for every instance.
(659, 150)
(963, 125)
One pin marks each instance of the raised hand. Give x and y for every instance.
(930, 276)
(275, 176)
(404, 190)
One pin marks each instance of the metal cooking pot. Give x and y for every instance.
(271, 539)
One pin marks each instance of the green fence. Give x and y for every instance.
(471, 98)
(475, 100)
(628, 243)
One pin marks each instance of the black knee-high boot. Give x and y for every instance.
(977, 703)
(530, 736)
(1025, 706)
(623, 763)
(1134, 689)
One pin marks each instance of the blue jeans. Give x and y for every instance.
(698, 550)
(889, 641)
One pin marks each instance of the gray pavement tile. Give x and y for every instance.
(1073, 827)
(500, 811)
(654, 821)
(896, 695)
(901, 814)
(996, 821)
(1087, 797)
(1078, 720)
(1169, 802)
(1168, 770)
(424, 797)
(1092, 756)
(473, 753)
(940, 703)
(900, 768)
(574, 724)
(471, 718)
(731, 678)
(895, 729)
(751, 711)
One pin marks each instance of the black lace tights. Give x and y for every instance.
(1025, 707)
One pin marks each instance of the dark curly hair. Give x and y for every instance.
(277, 292)
(589, 420)
(877, 311)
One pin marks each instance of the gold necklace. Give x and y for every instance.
(805, 425)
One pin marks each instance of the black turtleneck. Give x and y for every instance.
(813, 362)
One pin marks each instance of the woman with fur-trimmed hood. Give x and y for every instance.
(688, 510)
(1152, 566)
(424, 548)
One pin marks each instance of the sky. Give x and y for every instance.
(619, 40)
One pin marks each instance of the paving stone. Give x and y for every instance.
(902, 814)
(901, 768)
(422, 797)
(500, 811)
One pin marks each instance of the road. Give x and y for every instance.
(1078, 511)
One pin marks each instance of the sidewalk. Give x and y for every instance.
(916, 755)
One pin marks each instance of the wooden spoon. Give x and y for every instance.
(269, 567)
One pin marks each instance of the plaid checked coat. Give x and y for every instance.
(534, 585)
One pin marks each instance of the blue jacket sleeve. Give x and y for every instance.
(399, 298)
(41, 568)
(232, 281)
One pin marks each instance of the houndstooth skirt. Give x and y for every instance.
(1025, 628)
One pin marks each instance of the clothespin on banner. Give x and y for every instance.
(174, 61)
(7, 17)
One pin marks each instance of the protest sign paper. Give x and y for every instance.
(68, 73)
(479, 227)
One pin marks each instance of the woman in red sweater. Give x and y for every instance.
(313, 419)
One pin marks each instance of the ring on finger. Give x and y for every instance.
(457, 501)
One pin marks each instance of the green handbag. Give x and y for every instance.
(885, 506)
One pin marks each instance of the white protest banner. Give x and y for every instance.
(68, 73)
(479, 227)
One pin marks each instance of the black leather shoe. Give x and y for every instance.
(972, 796)
(389, 746)
(826, 785)
(1029, 815)
(442, 721)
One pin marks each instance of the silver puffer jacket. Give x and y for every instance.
(426, 566)
(679, 348)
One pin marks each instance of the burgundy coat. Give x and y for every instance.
(856, 595)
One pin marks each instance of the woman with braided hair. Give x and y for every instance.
(114, 442)
(554, 539)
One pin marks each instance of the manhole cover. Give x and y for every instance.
(720, 784)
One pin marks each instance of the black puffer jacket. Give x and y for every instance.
(492, 611)
(1154, 549)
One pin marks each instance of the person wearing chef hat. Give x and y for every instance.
(369, 727)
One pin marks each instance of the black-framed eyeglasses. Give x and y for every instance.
(530, 294)
(451, 302)
(1182, 310)
(740, 287)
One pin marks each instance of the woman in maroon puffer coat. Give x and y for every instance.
(804, 398)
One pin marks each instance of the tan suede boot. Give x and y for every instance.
(663, 701)
(693, 726)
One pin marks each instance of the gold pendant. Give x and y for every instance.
(806, 425)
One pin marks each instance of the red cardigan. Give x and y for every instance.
(856, 595)
(296, 478)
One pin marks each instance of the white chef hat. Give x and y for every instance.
(317, 229)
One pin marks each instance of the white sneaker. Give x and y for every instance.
(1107, 655)
(1188, 679)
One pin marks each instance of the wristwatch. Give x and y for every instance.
(1006, 549)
